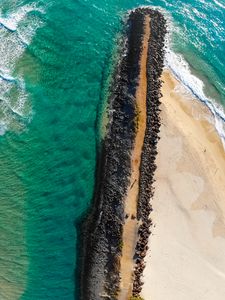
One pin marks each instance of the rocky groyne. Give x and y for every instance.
(102, 233)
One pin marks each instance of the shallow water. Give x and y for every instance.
(55, 57)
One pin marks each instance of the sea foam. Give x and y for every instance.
(194, 85)
(219, 4)
(12, 20)
(4, 75)
(17, 29)
(180, 68)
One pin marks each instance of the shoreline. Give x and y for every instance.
(120, 253)
(103, 229)
(187, 256)
(191, 82)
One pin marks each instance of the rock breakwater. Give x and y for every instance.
(102, 234)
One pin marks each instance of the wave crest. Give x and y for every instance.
(17, 29)
(181, 70)
(11, 21)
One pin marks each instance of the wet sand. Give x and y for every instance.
(130, 227)
(186, 256)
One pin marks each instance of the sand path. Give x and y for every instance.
(186, 260)
(131, 225)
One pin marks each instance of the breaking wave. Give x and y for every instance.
(17, 29)
(181, 70)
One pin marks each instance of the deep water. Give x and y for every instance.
(55, 58)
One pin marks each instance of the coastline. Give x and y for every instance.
(185, 260)
(145, 175)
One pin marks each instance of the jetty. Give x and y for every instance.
(116, 231)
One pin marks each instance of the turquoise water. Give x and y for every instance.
(54, 60)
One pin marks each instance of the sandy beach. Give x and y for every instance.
(186, 257)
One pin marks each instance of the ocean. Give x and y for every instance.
(56, 58)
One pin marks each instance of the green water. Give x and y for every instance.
(59, 55)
